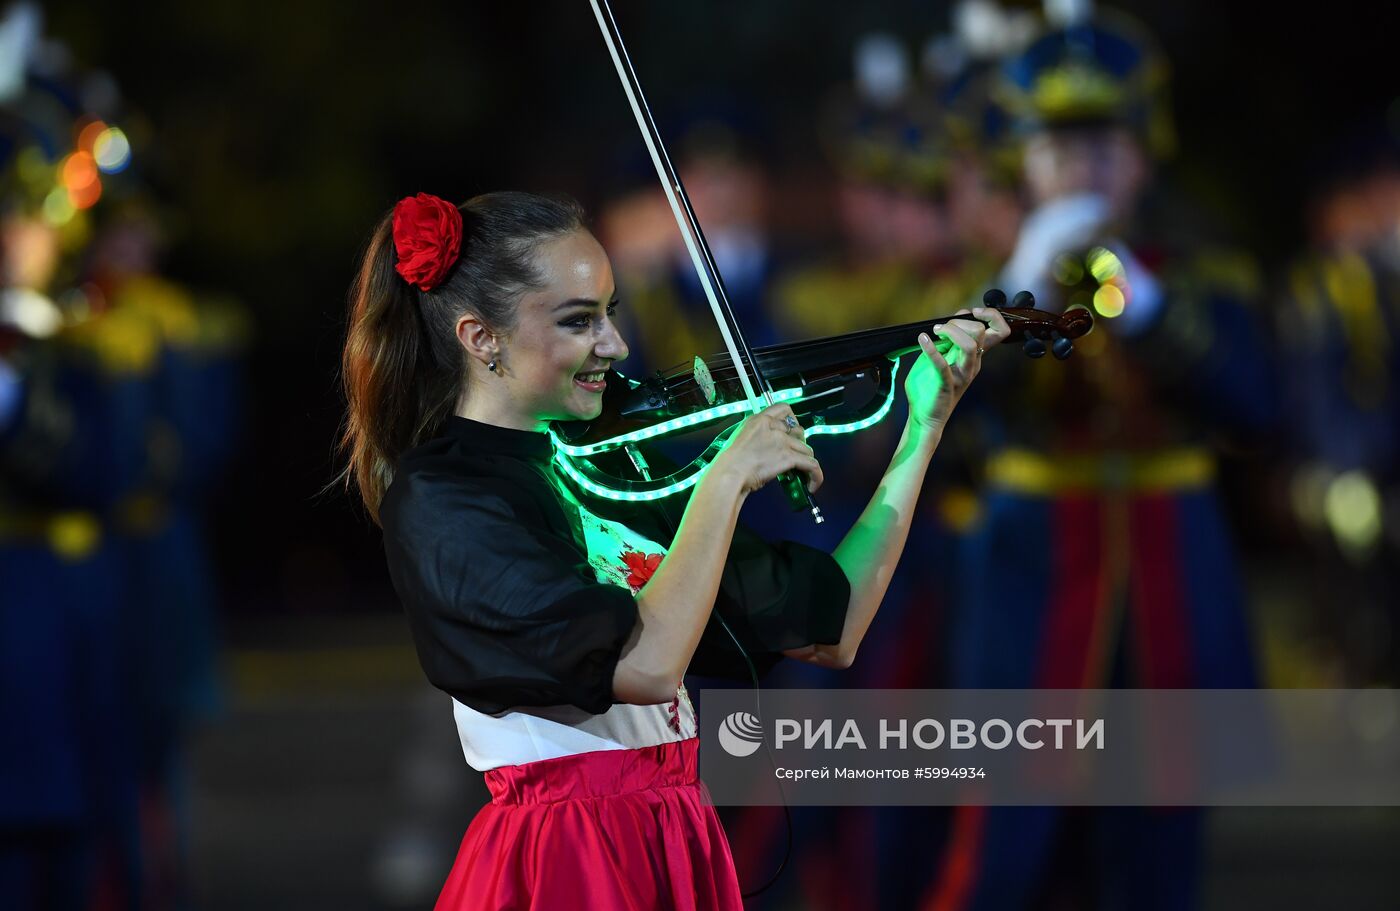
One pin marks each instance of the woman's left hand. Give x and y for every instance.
(936, 383)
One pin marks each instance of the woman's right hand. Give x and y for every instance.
(764, 447)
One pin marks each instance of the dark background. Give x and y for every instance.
(274, 135)
(278, 133)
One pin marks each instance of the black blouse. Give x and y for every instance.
(490, 562)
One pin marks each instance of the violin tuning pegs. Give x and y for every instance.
(1033, 347)
(1023, 299)
(1062, 347)
(995, 297)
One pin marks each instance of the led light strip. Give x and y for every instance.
(632, 496)
(880, 413)
(612, 493)
(689, 420)
(564, 454)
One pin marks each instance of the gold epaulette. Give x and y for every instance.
(167, 304)
(120, 341)
(1350, 287)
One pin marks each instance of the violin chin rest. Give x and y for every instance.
(569, 431)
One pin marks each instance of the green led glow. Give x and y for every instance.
(924, 382)
(880, 413)
(589, 478)
(610, 493)
(596, 482)
(665, 427)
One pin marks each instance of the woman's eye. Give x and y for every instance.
(583, 320)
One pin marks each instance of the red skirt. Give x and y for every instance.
(613, 829)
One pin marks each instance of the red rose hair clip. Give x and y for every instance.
(427, 238)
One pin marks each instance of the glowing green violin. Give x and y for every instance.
(834, 385)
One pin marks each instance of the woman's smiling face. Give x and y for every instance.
(564, 338)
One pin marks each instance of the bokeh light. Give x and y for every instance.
(1109, 301)
(87, 136)
(78, 172)
(86, 197)
(1353, 509)
(58, 207)
(112, 151)
(32, 312)
(1103, 264)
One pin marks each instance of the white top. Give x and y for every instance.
(529, 734)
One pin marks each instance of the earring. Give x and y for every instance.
(492, 366)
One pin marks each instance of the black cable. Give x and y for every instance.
(758, 712)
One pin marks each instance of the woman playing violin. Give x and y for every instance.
(551, 619)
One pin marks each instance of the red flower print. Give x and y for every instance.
(639, 567)
(674, 722)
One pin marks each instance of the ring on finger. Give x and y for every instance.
(790, 422)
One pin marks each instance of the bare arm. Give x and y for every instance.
(871, 550)
(676, 602)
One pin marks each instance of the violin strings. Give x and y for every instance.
(721, 366)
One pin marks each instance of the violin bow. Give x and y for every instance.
(756, 388)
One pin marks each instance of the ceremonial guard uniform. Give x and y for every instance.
(1101, 556)
(80, 396)
(730, 189)
(72, 451)
(1339, 328)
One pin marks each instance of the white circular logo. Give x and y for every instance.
(740, 734)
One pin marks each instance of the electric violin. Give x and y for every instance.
(834, 385)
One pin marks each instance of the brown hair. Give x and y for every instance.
(403, 368)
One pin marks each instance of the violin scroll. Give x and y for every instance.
(1040, 330)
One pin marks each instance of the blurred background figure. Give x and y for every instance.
(730, 189)
(888, 171)
(169, 625)
(117, 396)
(76, 389)
(899, 255)
(1339, 327)
(985, 205)
(1101, 553)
